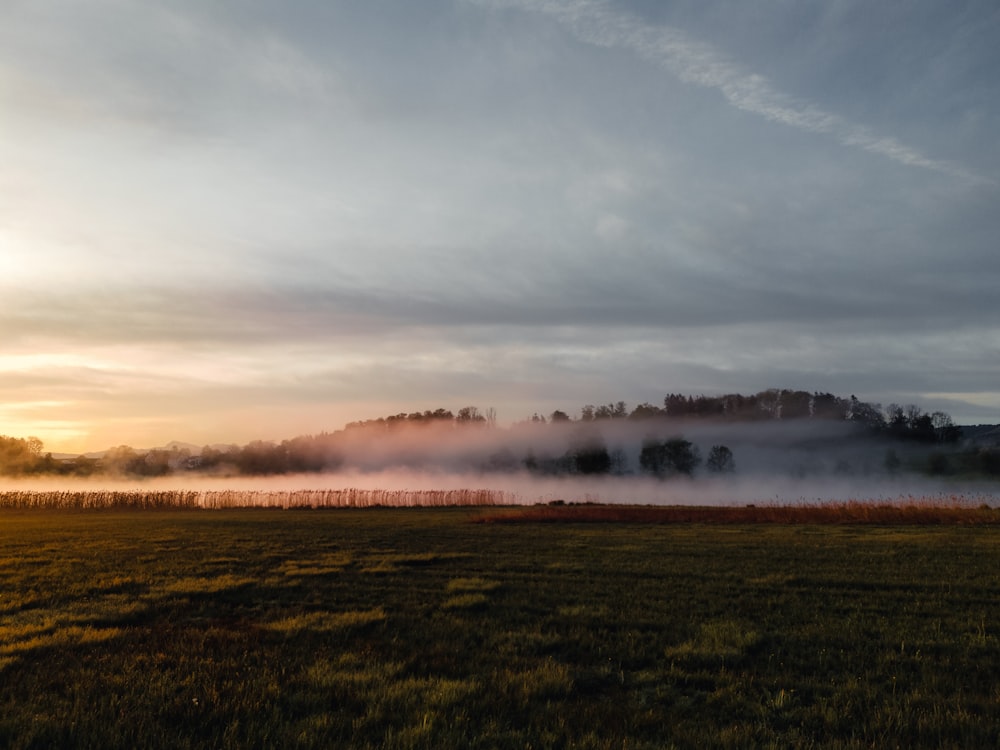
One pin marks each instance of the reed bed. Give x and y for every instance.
(226, 499)
(510, 508)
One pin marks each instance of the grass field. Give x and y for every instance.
(417, 628)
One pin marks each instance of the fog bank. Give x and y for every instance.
(529, 489)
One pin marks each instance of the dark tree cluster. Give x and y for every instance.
(21, 456)
(467, 415)
(732, 407)
(720, 460)
(438, 416)
(589, 455)
(766, 405)
(154, 463)
(910, 423)
(680, 457)
(303, 454)
(897, 422)
(591, 413)
(672, 457)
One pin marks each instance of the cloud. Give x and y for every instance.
(210, 207)
(700, 64)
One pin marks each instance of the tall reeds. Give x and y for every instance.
(219, 499)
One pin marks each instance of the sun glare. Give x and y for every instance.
(56, 436)
(23, 258)
(37, 419)
(11, 262)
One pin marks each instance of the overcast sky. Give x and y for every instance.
(229, 220)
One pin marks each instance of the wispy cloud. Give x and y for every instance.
(701, 64)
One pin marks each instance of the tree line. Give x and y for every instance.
(586, 453)
(900, 422)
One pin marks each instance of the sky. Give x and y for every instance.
(229, 221)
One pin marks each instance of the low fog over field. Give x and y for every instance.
(787, 448)
(794, 461)
(776, 446)
(527, 489)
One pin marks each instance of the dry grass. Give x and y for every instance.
(917, 511)
(327, 621)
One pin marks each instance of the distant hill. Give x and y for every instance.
(776, 430)
(71, 456)
(172, 446)
(177, 445)
(983, 435)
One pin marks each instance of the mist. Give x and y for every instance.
(774, 462)
(527, 489)
(791, 448)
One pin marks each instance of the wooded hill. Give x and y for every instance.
(648, 438)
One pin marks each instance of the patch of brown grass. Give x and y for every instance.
(914, 511)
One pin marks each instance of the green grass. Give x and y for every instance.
(415, 628)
